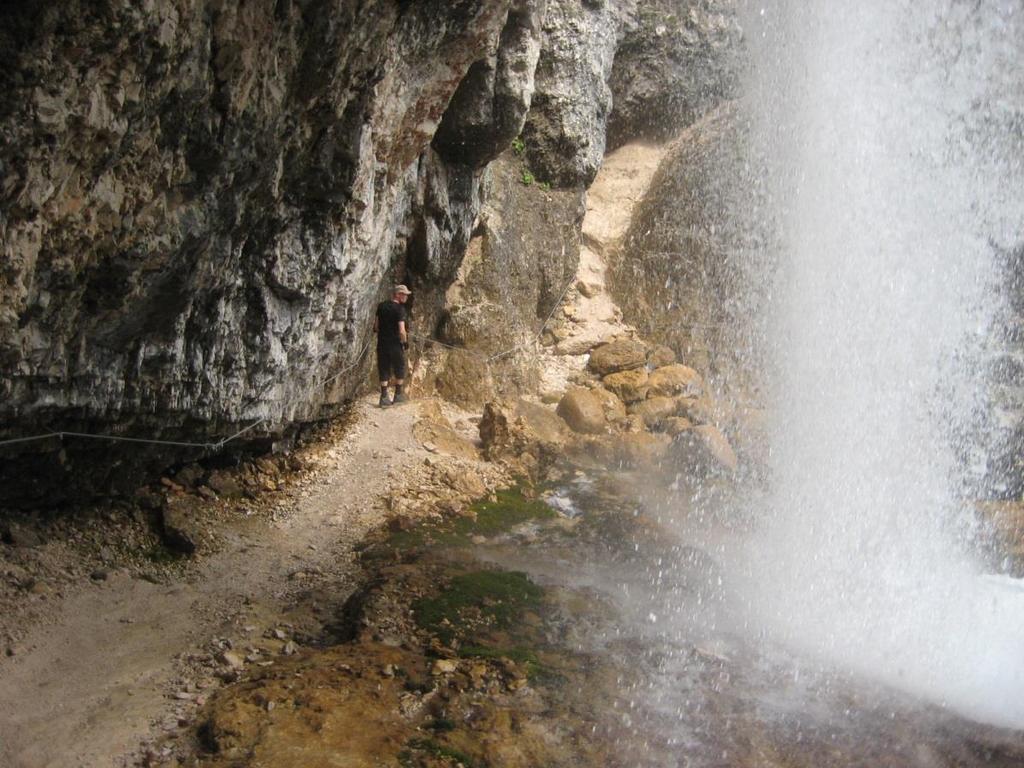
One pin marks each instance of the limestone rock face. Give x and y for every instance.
(618, 355)
(677, 61)
(582, 410)
(564, 135)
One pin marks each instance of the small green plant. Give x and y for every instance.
(518, 145)
(528, 178)
(545, 185)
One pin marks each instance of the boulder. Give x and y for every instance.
(698, 410)
(654, 410)
(542, 422)
(630, 385)
(180, 524)
(636, 449)
(671, 380)
(704, 450)
(224, 484)
(660, 356)
(674, 425)
(618, 355)
(614, 408)
(582, 410)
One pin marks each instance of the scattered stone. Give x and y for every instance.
(466, 482)
(619, 355)
(290, 648)
(630, 385)
(170, 485)
(542, 422)
(224, 484)
(233, 660)
(672, 380)
(100, 574)
(588, 288)
(190, 475)
(582, 410)
(444, 667)
(19, 536)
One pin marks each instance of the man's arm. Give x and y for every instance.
(401, 332)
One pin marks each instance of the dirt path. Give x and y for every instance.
(117, 661)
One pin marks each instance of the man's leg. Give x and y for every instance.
(384, 371)
(398, 365)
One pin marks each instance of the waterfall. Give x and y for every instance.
(891, 131)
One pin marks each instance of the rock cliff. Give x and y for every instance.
(202, 201)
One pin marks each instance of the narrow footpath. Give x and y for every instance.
(122, 661)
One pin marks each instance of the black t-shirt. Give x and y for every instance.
(389, 315)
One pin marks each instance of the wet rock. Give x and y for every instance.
(618, 355)
(582, 410)
(704, 449)
(660, 356)
(699, 410)
(654, 410)
(672, 380)
(674, 425)
(641, 449)
(630, 386)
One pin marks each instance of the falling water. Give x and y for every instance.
(893, 137)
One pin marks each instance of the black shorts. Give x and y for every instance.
(391, 360)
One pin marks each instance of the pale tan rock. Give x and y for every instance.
(671, 380)
(542, 422)
(466, 482)
(654, 410)
(614, 408)
(618, 355)
(582, 411)
(630, 386)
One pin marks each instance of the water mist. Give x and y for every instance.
(892, 137)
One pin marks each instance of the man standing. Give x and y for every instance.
(392, 340)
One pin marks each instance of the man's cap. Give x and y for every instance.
(402, 289)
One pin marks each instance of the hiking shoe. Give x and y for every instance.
(400, 398)
(384, 402)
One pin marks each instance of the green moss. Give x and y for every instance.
(528, 178)
(510, 508)
(497, 597)
(518, 145)
(486, 518)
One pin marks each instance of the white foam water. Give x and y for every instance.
(886, 126)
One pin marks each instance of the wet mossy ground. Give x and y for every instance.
(509, 509)
(487, 599)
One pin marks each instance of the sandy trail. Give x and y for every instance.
(101, 674)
